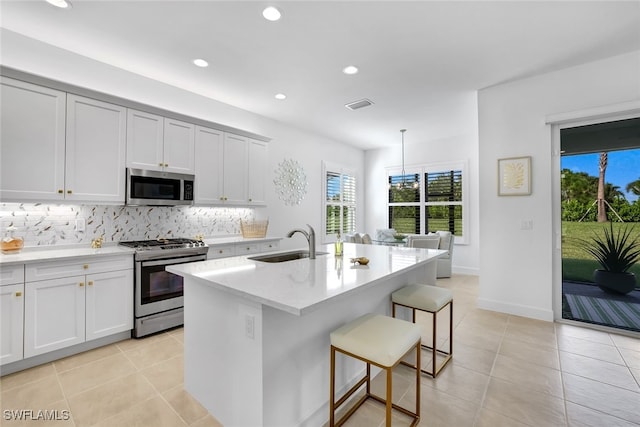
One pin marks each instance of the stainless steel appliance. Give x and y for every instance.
(145, 187)
(158, 298)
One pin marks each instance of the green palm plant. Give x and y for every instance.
(616, 251)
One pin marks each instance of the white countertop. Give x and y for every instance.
(51, 253)
(300, 286)
(29, 255)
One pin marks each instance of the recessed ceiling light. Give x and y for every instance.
(271, 13)
(200, 63)
(281, 96)
(63, 4)
(350, 69)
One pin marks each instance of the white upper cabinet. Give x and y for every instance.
(145, 140)
(230, 169)
(235, 169)
(95, 150)
(158, 143)
(32, 135)
(209, 164)
(58, 146)
(257, 172)
(179, 146)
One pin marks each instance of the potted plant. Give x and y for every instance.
(616, 251)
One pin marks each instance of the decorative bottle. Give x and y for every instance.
(10, 243)
(338, 245)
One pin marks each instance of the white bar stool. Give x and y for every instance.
(376, 340)
(431, 299)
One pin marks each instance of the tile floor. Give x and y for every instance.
(506, 371)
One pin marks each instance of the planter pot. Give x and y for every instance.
(618, 283)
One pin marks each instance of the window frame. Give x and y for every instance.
(335, 168)
(422, 169)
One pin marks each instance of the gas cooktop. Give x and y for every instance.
(164, 244)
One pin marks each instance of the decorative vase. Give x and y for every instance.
(615, 282)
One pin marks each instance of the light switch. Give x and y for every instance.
(526, 224)
(249, 326)
(80, 225)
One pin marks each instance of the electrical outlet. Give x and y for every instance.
(249, 326)
(80, 225)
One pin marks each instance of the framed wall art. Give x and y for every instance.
(514, 176)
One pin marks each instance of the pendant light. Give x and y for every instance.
(402, 184)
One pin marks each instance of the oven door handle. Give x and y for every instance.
(172, 261)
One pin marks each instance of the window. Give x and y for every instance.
(339, 201)
(428, 198)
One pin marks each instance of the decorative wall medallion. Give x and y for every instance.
(290, 182)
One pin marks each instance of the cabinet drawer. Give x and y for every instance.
(11, 274)
(248, 248)
(77, 266)
(221, 251)
(270, 246)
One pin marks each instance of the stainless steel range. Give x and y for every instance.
(158, 299)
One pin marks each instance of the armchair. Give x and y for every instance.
(438, 240)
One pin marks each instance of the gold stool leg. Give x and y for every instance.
(332, 387)
(434, 344)
(389, 395)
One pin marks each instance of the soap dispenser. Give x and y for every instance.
(10, 243)
(338, 245)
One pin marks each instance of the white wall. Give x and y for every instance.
(517, 265)
(309, 150)
(461, 145)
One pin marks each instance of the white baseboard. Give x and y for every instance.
(516, 309)
(468, 271)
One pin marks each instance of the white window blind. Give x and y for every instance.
(428, 198)
(339, 201)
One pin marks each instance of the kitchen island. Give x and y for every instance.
(256, 350)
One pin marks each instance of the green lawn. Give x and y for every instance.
(577, 264)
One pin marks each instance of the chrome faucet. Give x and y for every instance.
(311, 238)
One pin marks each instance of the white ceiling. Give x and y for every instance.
(420, 61)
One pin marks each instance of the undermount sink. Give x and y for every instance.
(284, 256)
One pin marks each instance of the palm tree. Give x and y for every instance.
(634, 187)
(602, 211)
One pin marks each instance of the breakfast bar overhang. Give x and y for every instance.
(256, 350)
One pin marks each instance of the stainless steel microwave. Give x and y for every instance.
(146, 187)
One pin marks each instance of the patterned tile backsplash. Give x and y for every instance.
(47, 225)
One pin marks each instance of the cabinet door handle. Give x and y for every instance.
(81, 284)
(90, 283)
(60, 191)
(160, 164)
(251, 200)
(220, 251)
(166, 165)
(68, 191)
(18, 294)
(85, 266)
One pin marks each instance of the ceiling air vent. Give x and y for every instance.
(358, 104)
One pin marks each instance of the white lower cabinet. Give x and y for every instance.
(54, 315)
(109, 303)
(11, 322)
(63, 311)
